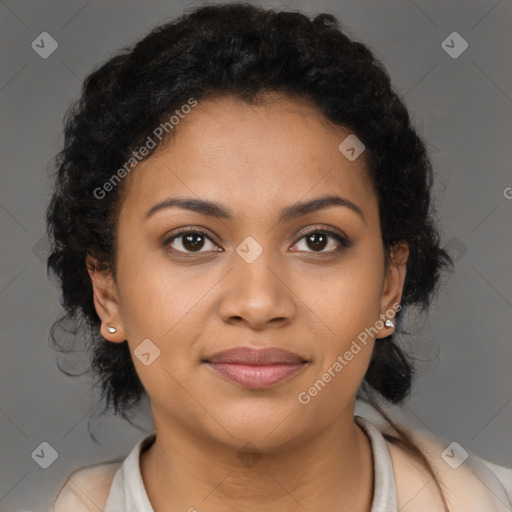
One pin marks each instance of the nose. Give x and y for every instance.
(258, 293)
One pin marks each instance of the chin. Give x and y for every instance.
(267, 426)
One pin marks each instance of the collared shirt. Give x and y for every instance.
(128, 494)
(470, 483)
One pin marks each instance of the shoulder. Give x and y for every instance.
(86, 489)
(468, 482)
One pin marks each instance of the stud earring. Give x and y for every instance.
(111, 329)
(388, 323)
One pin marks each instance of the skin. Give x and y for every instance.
(254, 160)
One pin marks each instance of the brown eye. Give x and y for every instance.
(188, 241)
(318, 240)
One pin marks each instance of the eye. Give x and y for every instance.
(192, 240)
(189, 241)
(318, 239)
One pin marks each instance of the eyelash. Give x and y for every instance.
(343, 242)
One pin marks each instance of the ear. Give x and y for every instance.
(106, 300)
(392, 288)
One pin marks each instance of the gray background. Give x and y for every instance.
(461, 106)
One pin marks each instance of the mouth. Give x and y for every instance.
(256, 368)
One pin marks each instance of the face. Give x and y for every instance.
(312, 282)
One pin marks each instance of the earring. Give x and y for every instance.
(388, 323)
(111, 329)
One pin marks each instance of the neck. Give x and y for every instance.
(332, 470)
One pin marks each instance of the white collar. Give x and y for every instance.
(128, 494)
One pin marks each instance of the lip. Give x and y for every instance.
(256, 368)
(256, 356)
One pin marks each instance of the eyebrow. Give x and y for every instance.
(288, 213)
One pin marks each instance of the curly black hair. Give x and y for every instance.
(243, 51)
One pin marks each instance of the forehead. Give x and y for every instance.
(249, 156)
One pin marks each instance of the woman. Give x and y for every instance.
(242, 215)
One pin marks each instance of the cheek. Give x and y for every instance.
(154, 296)
(349, 307)
(348, 297)
(167, 306)
(344, 351)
